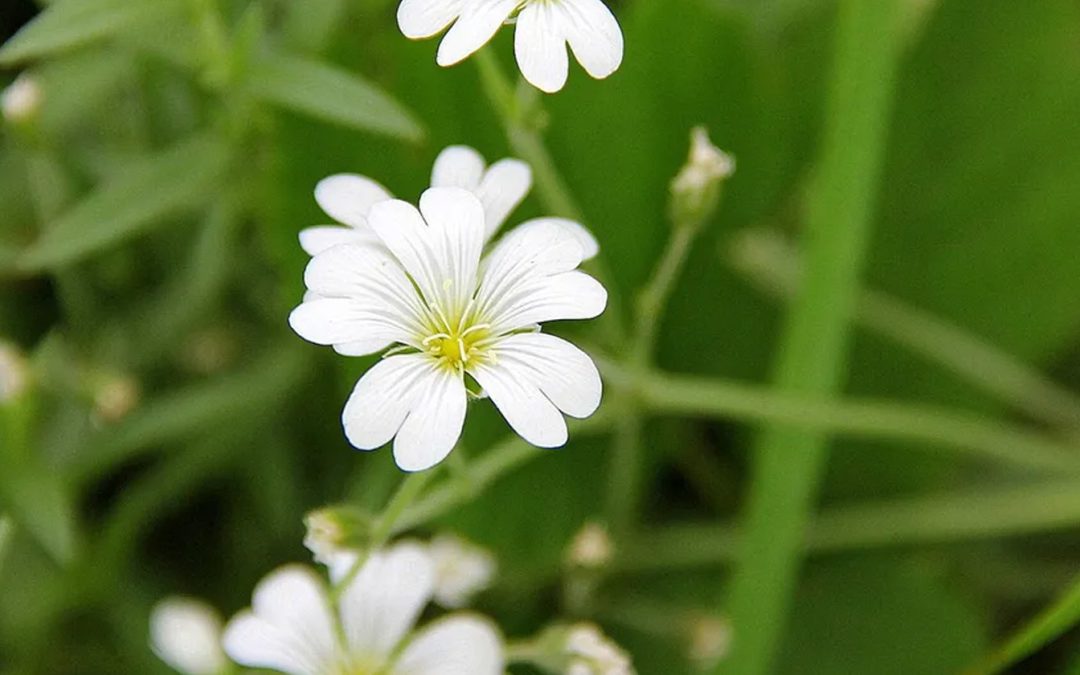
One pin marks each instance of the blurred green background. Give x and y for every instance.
(177, 431)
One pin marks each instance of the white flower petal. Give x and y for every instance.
(461, 644)
(434, 425)
(479, 21)
(528, 278)
(503, 187)
(525, 408)
(593, 34)
(455, 221)
(566, 375)
(289, 627)
(589, 246)
(424, 18)
(186, 634)
(347, 198)
(384, 600)
(315, 240)
(540, 46)
(383, 397)
(458, 166)
(343, 321)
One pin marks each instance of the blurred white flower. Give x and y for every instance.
(186, 634)
(115, 397)
(292, 628)
(348, 198)
(462, 569)
(426, 292)
(544, 29)
(14, 373)
(21, 100)
(710, 640)
(591, 547)
(592, 653)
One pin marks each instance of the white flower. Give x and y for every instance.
(292, 628)
(21, 100)
(186, 634)
(461, 570)
(544, 29)
(348, 198)
(425, 291)
(592, 653)
(591, 547)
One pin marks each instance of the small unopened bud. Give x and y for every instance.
(115, 397)
(186, 634)
(462, 569)
(593, 653)
(695, 191)
(710, 640)
(21, 100)
(14, 373)
(591, 547)
(336, 531)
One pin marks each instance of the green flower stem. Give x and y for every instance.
(993, 513)
(408, 491)
(483, 471)
(7, 530)
(973, 434)
(654, 296)
(1060, 616)
(788, 460)
(774, 266)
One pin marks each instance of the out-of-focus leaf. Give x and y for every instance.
(882, 617)
(308, 26)
(329, 93)
(71, 23)
(179, 178)
(39, 503)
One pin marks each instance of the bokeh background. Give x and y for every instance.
(177, 431)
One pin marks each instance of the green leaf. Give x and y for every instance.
(331, 94)
(179, 178)
(71, 23)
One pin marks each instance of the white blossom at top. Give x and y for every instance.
(544, 29)
(292, 627)
(348, 198)
(462, 569)
(425, 292)
(186, 634)
(592, 653)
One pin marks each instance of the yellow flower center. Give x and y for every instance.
(456, 349)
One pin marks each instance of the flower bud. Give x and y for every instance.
(695, 191)
(116, 396)
(14, 373)
(590, 652)
(710, 640)
(335, 531)
(462, 569)
(591, 547)
(21, 100)
(186, 634)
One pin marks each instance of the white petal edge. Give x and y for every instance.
(594, 35)
(345, 321)
(460, 644)
(315, 240)
(383, 397)
(501, 190)
(186, 634)
(478, 23)
(590, 247)
(455, 235)
(382, 603)
(534, 376)
(348, 198)
(540, 47)
(458, 166)
(434, 424)
(419, 19)
(289, 627)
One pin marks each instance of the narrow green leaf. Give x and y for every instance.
(179, 178)
(329, 93)
(71, 23)
(1047, 625)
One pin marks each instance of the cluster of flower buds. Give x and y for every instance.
(695, 191)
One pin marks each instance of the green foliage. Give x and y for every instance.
(150, 214)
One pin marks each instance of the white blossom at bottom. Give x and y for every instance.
(186, 634)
